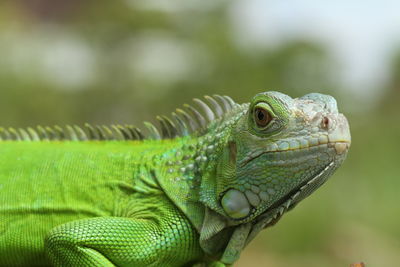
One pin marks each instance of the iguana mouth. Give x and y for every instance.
(339, 146)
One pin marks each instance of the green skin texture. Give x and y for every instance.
(193, 200)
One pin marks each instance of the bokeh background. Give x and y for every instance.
(125, 61)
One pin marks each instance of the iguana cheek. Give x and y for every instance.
(235, 204)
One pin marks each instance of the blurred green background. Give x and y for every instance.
(75, 61)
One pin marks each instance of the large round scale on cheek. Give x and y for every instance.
(235, 204)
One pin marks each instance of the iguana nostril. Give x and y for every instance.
(325, 123)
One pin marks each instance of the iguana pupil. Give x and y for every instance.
(262, 117)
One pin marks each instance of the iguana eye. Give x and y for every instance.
(262, 117)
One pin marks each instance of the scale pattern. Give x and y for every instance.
(126, 241)
(194, 191)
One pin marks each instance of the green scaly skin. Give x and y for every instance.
(198, 199)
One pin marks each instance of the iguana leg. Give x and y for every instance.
(118, 241)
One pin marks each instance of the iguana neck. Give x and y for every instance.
(189, 175)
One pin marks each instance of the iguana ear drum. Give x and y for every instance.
(232, 152)
(235, 204)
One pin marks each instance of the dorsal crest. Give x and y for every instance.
(183, 122)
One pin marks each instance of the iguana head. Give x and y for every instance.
(246, 164)
(279, 152)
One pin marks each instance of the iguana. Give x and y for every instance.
(193, 192)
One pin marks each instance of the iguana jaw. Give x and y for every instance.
(274, 206)
(273, 214)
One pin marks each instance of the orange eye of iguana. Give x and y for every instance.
(262, 117)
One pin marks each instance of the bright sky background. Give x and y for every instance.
(361, 35)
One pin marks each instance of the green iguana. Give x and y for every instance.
(195, 191)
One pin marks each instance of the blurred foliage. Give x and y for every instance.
(70, 62)
(135, 62)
